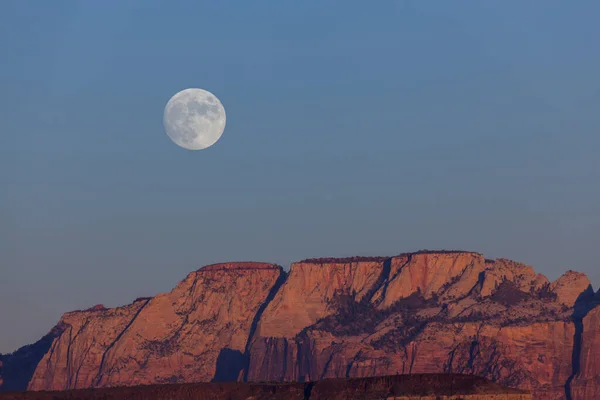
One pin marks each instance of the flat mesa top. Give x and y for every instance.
(342, 260)
(238, 265)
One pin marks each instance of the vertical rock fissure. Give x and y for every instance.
(326, 367)
(583, 305)
(448, 367)
(473, 354)
(100, 374)
(52, 349)
(391, 278)
(72, 339)
(298, 366)
(68, 362)
(349, 367)
(412, 360)
(81, 364)
(192, 308)
(576, 358)
(308, 387)
(274, 290)
(285, 356)
(307, 355)
(382, 281)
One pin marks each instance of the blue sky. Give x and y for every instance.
(353, 129)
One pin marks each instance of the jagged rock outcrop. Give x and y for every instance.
(424, 312)
(427, 273)
(521, 275)
(570, 287)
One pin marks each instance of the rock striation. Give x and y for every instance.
(451, 312)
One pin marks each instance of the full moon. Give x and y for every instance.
(194, 119)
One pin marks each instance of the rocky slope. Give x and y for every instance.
(424, 312)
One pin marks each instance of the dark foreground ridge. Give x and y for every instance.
(407, 386)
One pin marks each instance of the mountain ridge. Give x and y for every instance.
(338, 317)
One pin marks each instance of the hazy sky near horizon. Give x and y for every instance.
(353, 129)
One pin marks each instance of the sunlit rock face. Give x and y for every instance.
(424, 312)
(172, 337)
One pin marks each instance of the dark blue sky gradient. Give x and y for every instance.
(354, 128)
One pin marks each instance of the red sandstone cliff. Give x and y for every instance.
(431, 312)
(586, 384)
(452, 312)
(173, 337)
(312, 285)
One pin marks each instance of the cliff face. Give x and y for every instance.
(174, 337)
(310, 289)
(432, 312)
(427, 273)
(75, 357)
(426, 312)
(586, 384)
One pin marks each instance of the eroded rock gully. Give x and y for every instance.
(424, 312)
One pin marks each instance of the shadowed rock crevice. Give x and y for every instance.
(285, 359)
(381, 282)
(389, 278)
(576, 360)
(304, 358)
(326, 367)
(584, 304)
(229, 364)
(278, 284)
(308, 390)
(119, 336)
(71, 340)
(349, 367)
